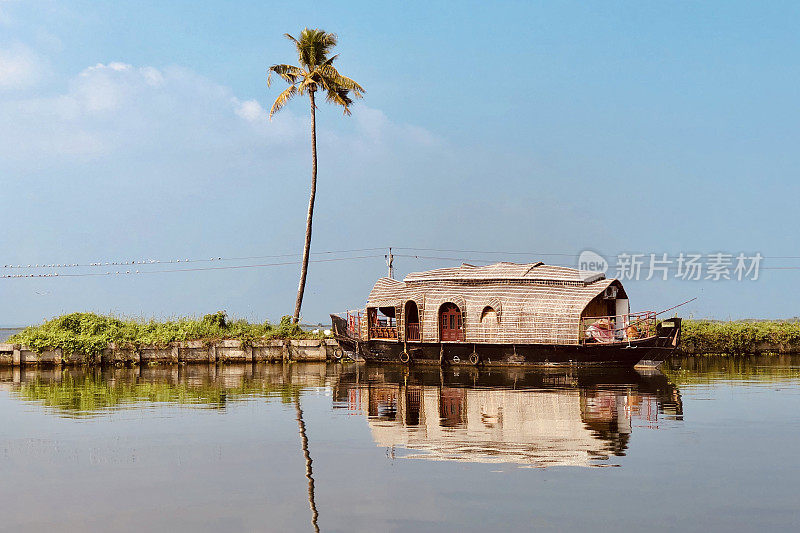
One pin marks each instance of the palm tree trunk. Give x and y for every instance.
(307, 248)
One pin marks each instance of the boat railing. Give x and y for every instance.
(412, 329)
(382, 332)
(378, 327)
(618, 328)
(354, 323)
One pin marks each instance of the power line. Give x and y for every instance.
(150, 263)
(176, 261)
(99, 264)
(195, 269)
(562, 254)
(473, 260)
(448, 250)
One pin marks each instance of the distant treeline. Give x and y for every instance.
(740, 337)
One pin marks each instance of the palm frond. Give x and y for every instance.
(330, 72)
(316, 71)
(282, 99)
(340, 97)
(289, 73)
(309, 83)
(314, 46)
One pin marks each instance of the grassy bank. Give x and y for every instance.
(740, 337)
(90, 334)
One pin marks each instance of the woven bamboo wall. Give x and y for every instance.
(542, 304)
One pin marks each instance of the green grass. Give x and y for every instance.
(90, 334)
(740, 337)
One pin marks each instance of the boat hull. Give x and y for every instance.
(502, 354)
(651, 350)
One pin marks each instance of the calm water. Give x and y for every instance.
(6, 332)
(707, 445)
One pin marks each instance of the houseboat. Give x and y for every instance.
(504, 314)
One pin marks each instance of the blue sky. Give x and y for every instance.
(137, 130)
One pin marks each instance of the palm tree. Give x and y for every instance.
(316, 72)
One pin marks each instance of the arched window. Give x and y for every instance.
(489, 330)
(489, 315)
(413, 332)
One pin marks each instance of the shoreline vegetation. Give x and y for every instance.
(90, 334)
(740, 337)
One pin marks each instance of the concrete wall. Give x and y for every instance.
(223, 351)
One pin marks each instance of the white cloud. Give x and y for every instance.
(250, 110)
(19, 67)
(376, 125)
(121, 110)
(117, 108)
(5, 18)
(152, 76)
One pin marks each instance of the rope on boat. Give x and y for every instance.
(676, 306)
(635, 323)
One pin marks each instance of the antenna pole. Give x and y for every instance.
(390, 263)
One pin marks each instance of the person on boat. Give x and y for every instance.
(601, 331)
(632, 331)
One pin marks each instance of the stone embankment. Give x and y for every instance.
(222, 351)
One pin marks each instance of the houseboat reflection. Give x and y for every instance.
(546, 417)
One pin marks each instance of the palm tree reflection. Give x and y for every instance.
(304, 440)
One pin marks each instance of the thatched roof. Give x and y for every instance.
(505, 271)
(539, 303)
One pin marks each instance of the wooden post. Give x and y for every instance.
(174, 352)
(58, 357)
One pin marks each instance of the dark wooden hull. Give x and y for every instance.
(651, 350)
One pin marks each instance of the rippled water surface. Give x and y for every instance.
(709, 444)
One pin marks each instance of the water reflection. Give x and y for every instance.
(301, 426)
(753, 369)
(575, 416)
(90, 392)
(206, 448)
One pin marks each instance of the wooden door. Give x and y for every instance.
(451, 327)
